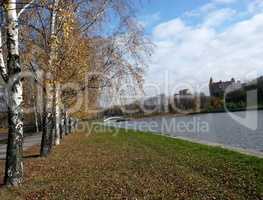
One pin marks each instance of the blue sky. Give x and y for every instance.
(164, 10)
(197, 39)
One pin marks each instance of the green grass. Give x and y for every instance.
(111, 164)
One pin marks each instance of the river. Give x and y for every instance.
(241, 130)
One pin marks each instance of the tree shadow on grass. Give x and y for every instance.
(31, 156)
(25, 157)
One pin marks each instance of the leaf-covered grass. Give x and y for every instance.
(132, 165)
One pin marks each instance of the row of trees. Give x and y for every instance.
(184, 104)
(54, 53)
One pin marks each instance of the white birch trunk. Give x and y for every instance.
(34, 99)
(2, 62)
(51, 63)
(62, 128)
(66, 123)
(52, 55)
(36, 116)
(14, 164)
(57, 114)
(47, 137)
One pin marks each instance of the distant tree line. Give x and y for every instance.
(238, 99)
(234, 101)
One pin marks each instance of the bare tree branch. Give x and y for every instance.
(24, 8)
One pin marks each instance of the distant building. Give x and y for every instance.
(218, 89)
(159, 103)
(184, 92)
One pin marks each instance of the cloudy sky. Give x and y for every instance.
(198, 39)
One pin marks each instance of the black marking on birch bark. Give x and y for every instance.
(14, 164)
(47, 135)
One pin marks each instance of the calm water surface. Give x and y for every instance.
(218, 128)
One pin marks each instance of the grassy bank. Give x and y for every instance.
(129, 165)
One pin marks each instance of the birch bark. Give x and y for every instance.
(14, 164)
(62, 127)
(47, 135)
(48, 122)
(66, 123)
(57, 114)
(2, 62)
(36, 117)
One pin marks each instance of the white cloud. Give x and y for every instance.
(169, 29)
(224, 1)
(211, 6)
(194, 53)
(218, 17)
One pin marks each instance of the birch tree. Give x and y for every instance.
(72, 41)
(49, 96)
(3, 69)
(14, 164)
(55, 106)
(82, 47)
(41, 27)
(12, 75)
